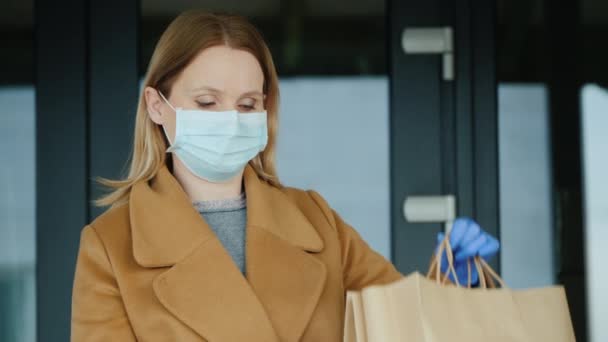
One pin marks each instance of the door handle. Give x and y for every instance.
(431, 209)
(435, 40)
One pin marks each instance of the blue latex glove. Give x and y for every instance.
(467, 240)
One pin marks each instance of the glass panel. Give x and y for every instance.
(334, 139)
(17, 174)
(594, 141)
(595, 166)
(17, 220)
(333, 121)
(525, 186)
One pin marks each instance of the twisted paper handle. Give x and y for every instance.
(487, 275)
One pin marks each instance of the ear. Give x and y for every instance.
(154, 105)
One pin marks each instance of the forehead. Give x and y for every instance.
(224, 68)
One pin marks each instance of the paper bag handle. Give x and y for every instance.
(487, 275)
(437, 260)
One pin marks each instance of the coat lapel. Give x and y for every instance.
(286, 278)
(204, 288)
(209, 294)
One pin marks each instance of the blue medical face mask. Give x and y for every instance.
(216, 146)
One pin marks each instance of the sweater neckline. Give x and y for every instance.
(228, 204)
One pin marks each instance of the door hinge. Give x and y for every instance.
(437, 40)
(431, 209)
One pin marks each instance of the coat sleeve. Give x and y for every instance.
(98, 312)
(361, 265)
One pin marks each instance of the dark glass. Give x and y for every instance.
(310, 37)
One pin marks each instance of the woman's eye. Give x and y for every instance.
(247, 107)
(206, 104)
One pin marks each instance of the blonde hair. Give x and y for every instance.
(188, 34)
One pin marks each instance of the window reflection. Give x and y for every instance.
(328, 126)
(17, 173)
(525, 185)
(17, 214)
(595, 176)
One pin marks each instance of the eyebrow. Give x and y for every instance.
(217, 91)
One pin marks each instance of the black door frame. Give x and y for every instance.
(86, 82)
(61, 158)
(444, 134)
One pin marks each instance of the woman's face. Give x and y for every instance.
(219, 78)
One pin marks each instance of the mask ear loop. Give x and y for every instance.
(170, 148)
(164, 98)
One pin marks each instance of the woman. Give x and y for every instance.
(202, 242)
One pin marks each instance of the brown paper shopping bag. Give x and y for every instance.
(425, 309)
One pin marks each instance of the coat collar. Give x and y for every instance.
(166, 227)
(203, 287)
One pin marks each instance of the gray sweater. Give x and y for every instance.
(228, 219)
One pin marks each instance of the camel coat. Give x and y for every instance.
(153, 270)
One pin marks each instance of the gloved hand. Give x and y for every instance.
(467, 240)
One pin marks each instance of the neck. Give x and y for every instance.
(199, 189)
